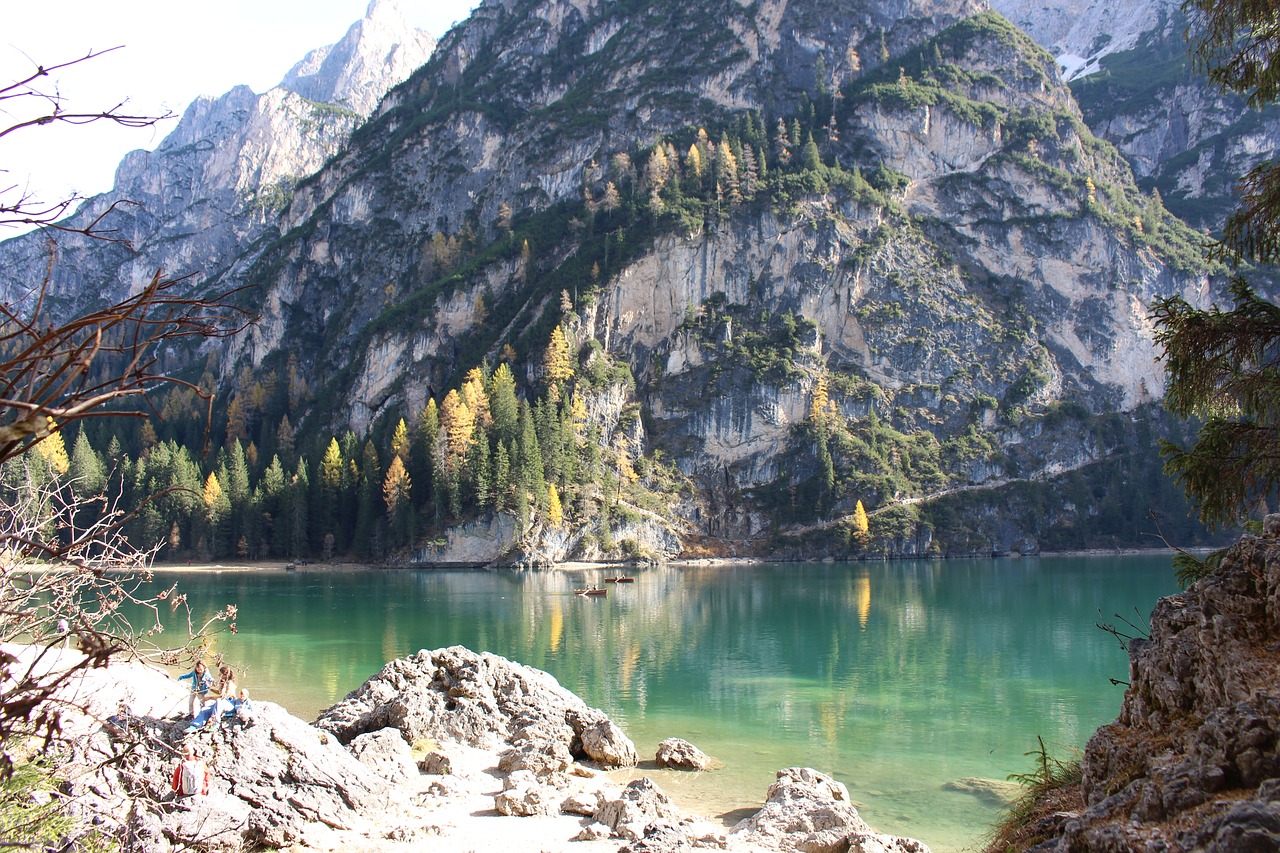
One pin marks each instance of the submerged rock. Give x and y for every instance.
(993, 792)
(479, 699)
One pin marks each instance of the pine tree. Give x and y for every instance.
(481, 473)
(503, 405)
(531, 478)
(1223, 365)
(422, 461)
(810, 159)
(88, 473)
(501, 478)
(367, 513)
(299, 489)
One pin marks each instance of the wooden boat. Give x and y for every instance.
(620, 580)
(591, 591)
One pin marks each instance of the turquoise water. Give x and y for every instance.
(896, 678)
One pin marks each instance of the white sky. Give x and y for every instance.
(172, 51)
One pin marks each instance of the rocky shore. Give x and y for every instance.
(1193, 760)
(458, 750)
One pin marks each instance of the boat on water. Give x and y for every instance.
(620, 580)
(591, 591)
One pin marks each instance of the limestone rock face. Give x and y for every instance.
(681, 755)
(483, 700)
(1193, 761)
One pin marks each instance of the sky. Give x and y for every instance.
(171, 51)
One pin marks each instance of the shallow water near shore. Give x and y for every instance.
(896, 678)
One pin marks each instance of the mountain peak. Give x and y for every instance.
(353, 72)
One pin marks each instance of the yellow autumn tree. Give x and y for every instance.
(53, 450)
(400, 440)
(556, 364)
(578, 415)
(555, 512)
(820, 408)
(396, 486)
(693, 161)
(477, 400)
(861, 523)
(458, 424)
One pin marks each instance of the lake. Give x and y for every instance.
(897, 678)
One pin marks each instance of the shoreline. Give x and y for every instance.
(577, 566)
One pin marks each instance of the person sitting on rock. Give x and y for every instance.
(244, 710)
(223, 703)
(120, 722)
(191, 776)
(201, 683)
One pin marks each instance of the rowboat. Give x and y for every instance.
(591, 591)
(620, 580)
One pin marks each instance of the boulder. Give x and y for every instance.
(277, 783)
(479, 699)
(436, 764)
(678, 754)
(540, 758)
(641, 806)
(597, 738)
(385, 753)
(524, 795)
(593, 832)
(582, 803)
(809, 811)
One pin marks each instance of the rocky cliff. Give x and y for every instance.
(805, 256)
(1131, 71)
(219, 180)
(962, 257)
(1193, 760)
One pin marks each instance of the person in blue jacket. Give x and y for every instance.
(201, 683)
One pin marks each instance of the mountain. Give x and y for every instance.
(1130, 70)
(730, 213)
(218, 181)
